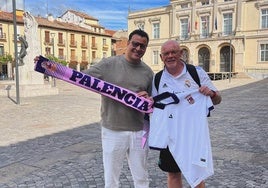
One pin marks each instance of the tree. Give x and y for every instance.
(52, 58)
(5, 58)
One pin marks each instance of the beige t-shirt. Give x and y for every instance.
(135, 77)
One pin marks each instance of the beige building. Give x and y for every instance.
(75, 38)
(222, 36)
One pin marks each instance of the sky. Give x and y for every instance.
(112, 14)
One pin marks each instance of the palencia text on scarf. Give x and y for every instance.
(105, 88)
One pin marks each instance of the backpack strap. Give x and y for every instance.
(157, 79)
(189, 67)
(193, 73)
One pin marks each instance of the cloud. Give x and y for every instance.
(7, 5)
(112, 14)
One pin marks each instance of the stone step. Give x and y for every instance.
(241, 75)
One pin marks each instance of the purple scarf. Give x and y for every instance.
(125, 96)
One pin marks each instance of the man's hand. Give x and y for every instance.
(36, 59)
(143, 94)
(214, 95)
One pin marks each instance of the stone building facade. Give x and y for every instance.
(223, 36)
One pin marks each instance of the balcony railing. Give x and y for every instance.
(83, 45)
(84, 59)
(62, 57)
(73, 58)
(94, 46)
(73, 43)
(48, 41)
(105, 47)
(61, 43)
(183, 37)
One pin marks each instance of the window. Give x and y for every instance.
(73, 55)
(264, 18)
(48, 51)
(47, 36)
(227, 23)
(2, 52)
(93, 41)
(60, 36)
(185, 5)
(205, 2)
(93, 55)
(264, 52)
(204, 26)
(61, 53)
(104, 42)
(185, 28)
(83, 38)
(72, 39)
(155, 57)
(104, 55)
(1, 32)
(84, 55)
(156, 30)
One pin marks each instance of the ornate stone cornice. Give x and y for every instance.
(183, 14)
(227, 8)
(258, 5)
(139, 22)
(207, 12)
(155, 19)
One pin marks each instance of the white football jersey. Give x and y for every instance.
(183, 127)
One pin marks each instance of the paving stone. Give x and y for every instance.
(54, 141)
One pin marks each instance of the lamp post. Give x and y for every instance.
(16, 52)
(230, 63)
(52, 35)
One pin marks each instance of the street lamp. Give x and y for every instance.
(16, 51)
(52, 35)
(230, 66)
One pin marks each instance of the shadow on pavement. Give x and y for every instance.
(73, 158)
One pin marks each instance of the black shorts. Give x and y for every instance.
(166, 162)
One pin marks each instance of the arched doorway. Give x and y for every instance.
(185, 55)
(226, 59)
(204, 58)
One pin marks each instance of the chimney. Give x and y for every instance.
(50, 18)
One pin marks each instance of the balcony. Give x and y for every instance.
(84, 59)
(73, 43)
(105, 47)
(62, 57)
(73, 58)
(94, 46)
(61, 43)
(83, 45)
(48, 41)
(183, 37)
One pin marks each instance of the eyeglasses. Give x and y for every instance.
(136, 44)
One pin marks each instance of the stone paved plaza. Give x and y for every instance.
(54, 141)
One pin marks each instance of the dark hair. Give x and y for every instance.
(140, 33)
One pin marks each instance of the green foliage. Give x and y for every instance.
(52, 58)
(5, 58)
